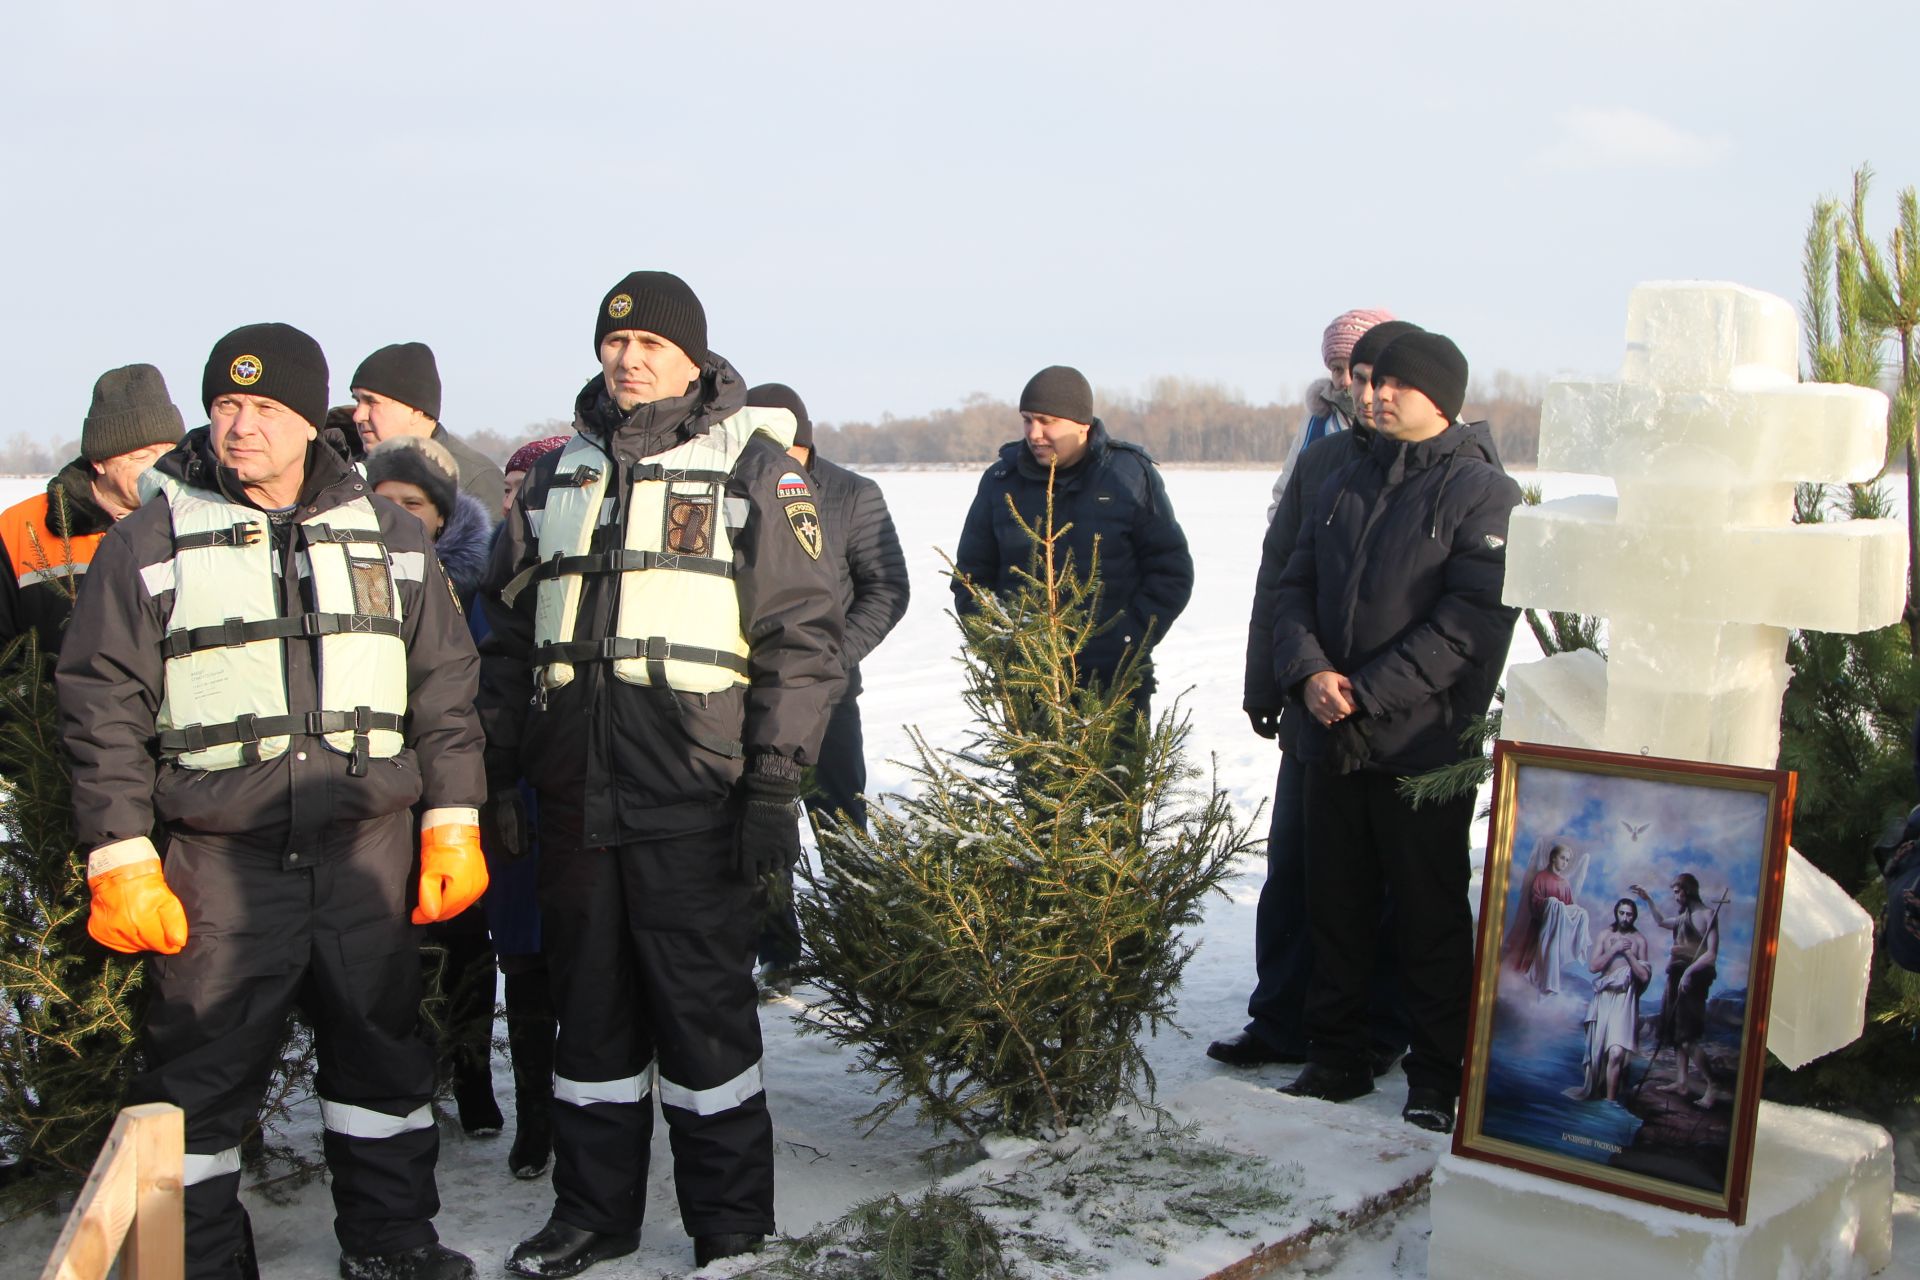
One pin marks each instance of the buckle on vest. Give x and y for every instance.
(233, 631)
(243, 725)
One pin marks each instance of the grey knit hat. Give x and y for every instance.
(417, 460)
(1059, 391)
(131, 409)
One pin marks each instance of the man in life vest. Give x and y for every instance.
(49, 539)
(268, 670)
(664, 658)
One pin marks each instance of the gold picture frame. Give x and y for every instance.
(1629, 915)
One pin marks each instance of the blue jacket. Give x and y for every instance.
(1395, 583)
(1114, 494)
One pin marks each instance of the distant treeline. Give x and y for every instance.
(1176, 420)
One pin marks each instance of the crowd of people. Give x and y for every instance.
(327, 676)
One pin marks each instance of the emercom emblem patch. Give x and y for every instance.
(806, 526)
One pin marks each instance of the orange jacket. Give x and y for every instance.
(46, 556)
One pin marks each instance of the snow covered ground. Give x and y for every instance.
(825, 1164)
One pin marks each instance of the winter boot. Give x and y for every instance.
(428, 1262)
(729, 1244)
(531, 1029)
(562, 1249)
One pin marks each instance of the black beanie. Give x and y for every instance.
(131, 409)
(405, 372)
(658, 302)
(778, 395)
(1367, 349)
(1059, 392)
(272, 360)
(1429, 363)
(417, 460)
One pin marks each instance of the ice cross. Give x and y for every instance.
(1699, 569)
(1697, 566)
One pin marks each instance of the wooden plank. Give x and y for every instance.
(156, 1248)
(1270, 1258)
(99, 1219)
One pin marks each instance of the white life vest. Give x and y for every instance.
(225, 685)
(677, 619)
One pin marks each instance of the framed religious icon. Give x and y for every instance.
(1627, 927)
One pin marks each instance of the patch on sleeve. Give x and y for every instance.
(454, 596)
(792, 485)
(806, 526)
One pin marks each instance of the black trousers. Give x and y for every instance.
(1283, 945)
(330, 932)
(1363, 841)
(838, 783)
(650, 948)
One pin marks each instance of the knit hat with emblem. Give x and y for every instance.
(272, 360)
(658, 302)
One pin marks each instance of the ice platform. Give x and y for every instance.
(1821, 1208)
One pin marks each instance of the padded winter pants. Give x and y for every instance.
(650, 947)
(838, 781)
(1364, 840)
(325, 926)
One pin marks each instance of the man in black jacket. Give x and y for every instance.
(1390, 631)
(872, 571)
(664, 658)
(1108, 490)
(396, 392)
(269, 667)
(1283, 957)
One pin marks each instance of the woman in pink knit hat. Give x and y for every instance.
(1328, 408)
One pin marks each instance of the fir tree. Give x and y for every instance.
(995, 947)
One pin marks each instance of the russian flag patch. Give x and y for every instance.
(791, 486)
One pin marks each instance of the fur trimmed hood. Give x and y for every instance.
(464, 543)
(1322, 399)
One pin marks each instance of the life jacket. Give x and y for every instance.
(677, 616)
(225, 686)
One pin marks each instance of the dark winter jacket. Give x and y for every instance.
(637, 761)
(1113, 494)
(480, 476)
(1319, 460)
(110, 685)
(865, 551)
(1395, 583)
(46, 558)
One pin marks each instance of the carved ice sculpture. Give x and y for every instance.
(1699, 570)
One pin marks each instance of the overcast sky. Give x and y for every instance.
(892, 205)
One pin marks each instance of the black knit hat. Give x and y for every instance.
(1059, 392)
(272, 360)
(131, 409)
(658, 302)
(405, 372)
(417, 460)
(1371, 343)
(778, 395)
(1431, 364)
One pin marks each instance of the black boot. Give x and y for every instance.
(729, 1244)
(530, 1034)
(428, 1262)
(559, 1249)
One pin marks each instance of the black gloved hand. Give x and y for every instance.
(504, 833)
(1265, 723)
(767, 839)
(1348, 749)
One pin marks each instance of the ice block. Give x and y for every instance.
(1820, 1208)
(1820, 970)
(1559, 701)
(1689, 333)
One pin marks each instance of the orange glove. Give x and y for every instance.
(453, 873)
(133, 910)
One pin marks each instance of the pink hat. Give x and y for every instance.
(1337, 342)
(527, 454)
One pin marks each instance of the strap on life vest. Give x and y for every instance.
(250, 729)
(233, 632)
(620, 560)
